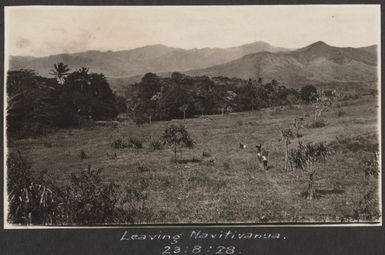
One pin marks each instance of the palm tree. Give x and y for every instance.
(60, 71)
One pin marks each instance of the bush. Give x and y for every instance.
(119, 143)
(355, 144)
(206, 154)
(300, 157)
(85, 201)
(83, 154)
(89, 201)
(131, 142)
(143, 168)
(135, 142)
(341, 113)
(30, 201)
(370, 166)
(318, 124)
(156, 145)
(367, 208)
(240, 122)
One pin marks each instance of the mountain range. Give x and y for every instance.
(316, 64)
(153, 58)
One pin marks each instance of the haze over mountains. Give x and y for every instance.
(316, 63)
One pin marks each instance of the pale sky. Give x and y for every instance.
(42, 31)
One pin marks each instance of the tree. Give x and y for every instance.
(176, 136)
(305, 157)
(183, 109)
(287, 135)
(32, 103)
(308, 93)
(60, 71)
(91, 96)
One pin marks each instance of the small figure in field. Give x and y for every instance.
(262, 156)
(259, 152)
(265, 154)
(242, 146)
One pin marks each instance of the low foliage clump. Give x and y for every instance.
(83, 154)
(143, 168)
(156, 145)
(300, 156)
(31, 201)
(355, 144)
(318, 124)
(135, 142)
(206, 154)
(367, 208)
(88, 200)
(85, 201)
(340, 113)
(130, 142)
(370, 166)
(119, 143)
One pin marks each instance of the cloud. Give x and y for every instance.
(22, 43)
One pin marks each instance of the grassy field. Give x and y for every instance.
(216, 181)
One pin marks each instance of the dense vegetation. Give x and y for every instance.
(181, 96)
(37, 104)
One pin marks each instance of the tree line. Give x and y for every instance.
(71, 99)
(183, 96)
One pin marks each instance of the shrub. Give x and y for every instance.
(355, 144)
(131, 142)
(341, 113)
(318, 124)
(300, 157)
(370, 166)
(226, 165)
(83, 154)
(30, 201)
(156, 145)
(89, 201)
(206, 154)
(119, 143)
(37, 200)
(135, 142)
(367, 208)
(143, 168)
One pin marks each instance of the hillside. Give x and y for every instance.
(152, 58)
(316, 63)
(216, 181)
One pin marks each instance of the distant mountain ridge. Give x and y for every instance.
(153, 58)
(316, 63)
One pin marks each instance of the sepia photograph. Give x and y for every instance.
(202, 115)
